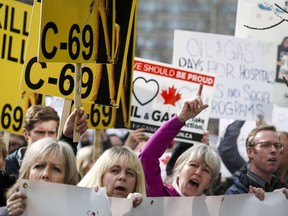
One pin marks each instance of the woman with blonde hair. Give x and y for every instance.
(46, 160)
(84, 160)
(120, 171)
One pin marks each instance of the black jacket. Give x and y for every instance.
(6, 181)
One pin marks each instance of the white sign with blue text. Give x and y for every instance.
(245, 71)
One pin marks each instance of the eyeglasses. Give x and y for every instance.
(268, 145)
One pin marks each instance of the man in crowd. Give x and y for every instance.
(263, 148)
(43, 121)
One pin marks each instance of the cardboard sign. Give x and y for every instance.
(245, 71)
(79, 38)
(14, 26)
(65, 199)
(68, 200)
(159, 91)
(57, 79)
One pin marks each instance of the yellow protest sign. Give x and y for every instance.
(14, 25)
(76, 30)
(101, 84)
(57, 79)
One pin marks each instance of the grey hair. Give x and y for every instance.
(202, 153)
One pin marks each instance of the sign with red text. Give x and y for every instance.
(245, 71)
(268, 21)
(159, 91)
(14, 31)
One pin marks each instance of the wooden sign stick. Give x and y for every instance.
(97, 145)
(77, 97)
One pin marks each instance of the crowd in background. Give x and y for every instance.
(130, 164)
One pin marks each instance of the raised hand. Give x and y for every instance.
(193, 107)
(135, 137)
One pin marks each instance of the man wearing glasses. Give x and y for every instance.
(263, 149)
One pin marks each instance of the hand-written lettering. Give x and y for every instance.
(236, 108)
(256, 74)
(230, 50)
(224, 70)
(191, 63)
(246, 93)
(253, 95)
(238, 52)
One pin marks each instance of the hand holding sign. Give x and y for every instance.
(192, 108)
(80, 125)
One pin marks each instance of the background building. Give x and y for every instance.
(157, 20)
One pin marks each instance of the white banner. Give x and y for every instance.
(48, 199)
(60, 199)
(245, 71)
(159, 91)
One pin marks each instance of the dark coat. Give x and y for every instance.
(242, 180)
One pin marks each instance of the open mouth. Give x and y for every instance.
(194, 183)
(272, 160)
(121, 189)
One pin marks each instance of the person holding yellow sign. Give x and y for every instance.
(43, 121)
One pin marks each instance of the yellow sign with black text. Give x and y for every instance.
(78, 31)
(106, 80)
(14, 26)
(57, 79)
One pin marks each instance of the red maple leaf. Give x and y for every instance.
(171, 96)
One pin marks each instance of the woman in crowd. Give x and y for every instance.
(120, 171)
(46, 160)
(84, 160)
(194, 171)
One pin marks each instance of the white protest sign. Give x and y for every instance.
(275, 204)
(262, 19)
(44, 198)
(280, 118)
(171, 206)
(159, 91)
(245, 71)
(241, 204)
(48, 199)
(267, 21)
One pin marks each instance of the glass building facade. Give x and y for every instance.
(157, 20)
